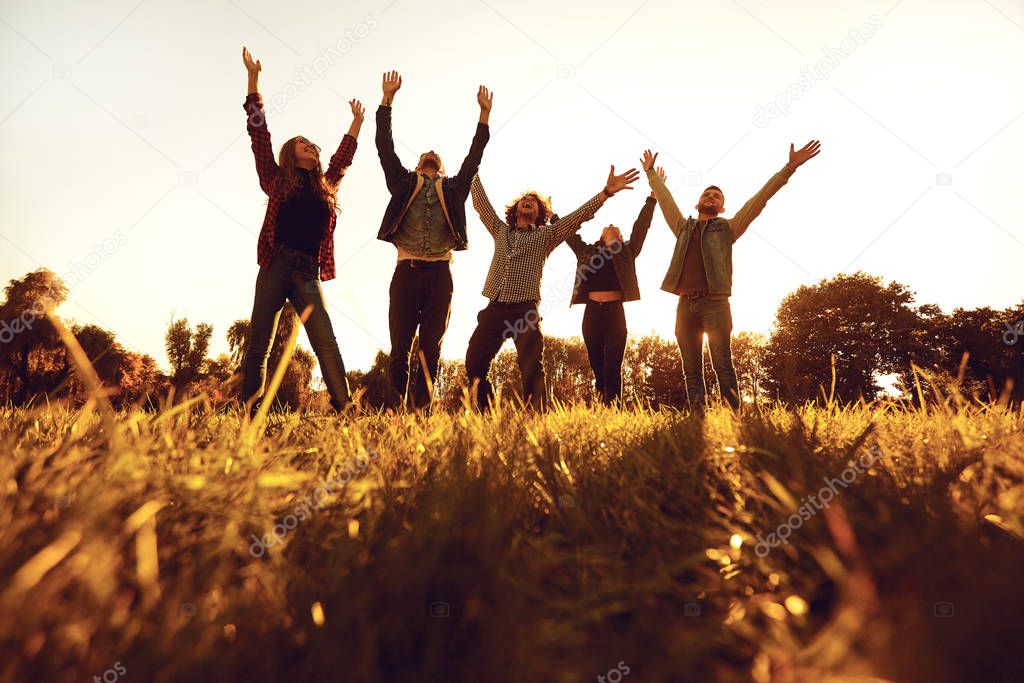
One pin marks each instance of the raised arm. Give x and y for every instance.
(752, 209)
(576, 243)
(389, 161)
(256, 125)
(471, 164)
(673, 216)
(643, 221)
(560, 231)
(488, 216)
(342, 158)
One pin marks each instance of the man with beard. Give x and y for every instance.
(522, 243)
(426, 221)
(701, 272)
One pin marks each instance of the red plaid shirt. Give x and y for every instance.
(267, 169)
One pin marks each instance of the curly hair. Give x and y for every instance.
(544, 212)
(288, 178)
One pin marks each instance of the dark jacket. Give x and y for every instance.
(405, 184)
(622, 254)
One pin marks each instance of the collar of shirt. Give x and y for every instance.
(526, 228)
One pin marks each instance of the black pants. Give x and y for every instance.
(604, 333)
(421, 296)
(496, 323)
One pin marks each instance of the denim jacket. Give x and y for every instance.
(719, 234)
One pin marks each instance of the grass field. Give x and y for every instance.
(585, 544)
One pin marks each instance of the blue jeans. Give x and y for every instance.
(694, 318)
(291, 275)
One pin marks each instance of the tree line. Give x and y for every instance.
(841, 338)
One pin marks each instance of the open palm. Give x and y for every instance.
(621, 182)
(251, 65)
(485, 98)
(391, 82)
(800, 156)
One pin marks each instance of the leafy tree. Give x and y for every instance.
(748, 356)
(654, 371)
(186, 351)
(451, 382)
(29, 344)
(567, 371)
(374, 383)
(868, 328)
(129, 377)
(982, 349)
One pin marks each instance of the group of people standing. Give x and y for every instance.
(426, 222)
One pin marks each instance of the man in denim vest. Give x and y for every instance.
(701, 272)
(426, 221)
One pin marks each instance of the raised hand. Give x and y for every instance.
(800, 156)
(390, 84)
(357, 117)
(253, 67)
(358, 111)
(484, 97)
(647, 162)
(621, 182)
(661, 174)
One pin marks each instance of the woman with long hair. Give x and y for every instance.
(605, 280)
(295, 250)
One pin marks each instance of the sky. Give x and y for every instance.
(127, 170)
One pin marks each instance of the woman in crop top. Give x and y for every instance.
(605, 279)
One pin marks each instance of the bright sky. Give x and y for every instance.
(122, 126)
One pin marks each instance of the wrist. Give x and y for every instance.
(605, 193)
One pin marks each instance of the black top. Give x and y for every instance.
(623, 261)
(603, 279)
(303, 219)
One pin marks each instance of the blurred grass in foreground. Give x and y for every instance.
(511, 546)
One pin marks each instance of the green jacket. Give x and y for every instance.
(623, 255)
(719, 234)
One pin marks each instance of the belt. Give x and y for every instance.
(295, 252)
(613, 302)
(508, 304)
(689, 296)
(423, 263)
